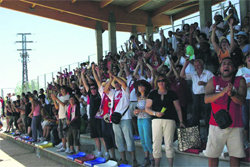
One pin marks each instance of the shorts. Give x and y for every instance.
(95, 128)
(45, 123)
(108, 135)
(218, 138)
(62, 123)
(73, 136)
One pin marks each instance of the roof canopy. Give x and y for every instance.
(127, 13)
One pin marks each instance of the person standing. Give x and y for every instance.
(35, 114)
(164, 106)
(61, 103)
(94, 106)
(217, 92)
(142, 89)
(123, 130)
(245, 72)
(199, 80)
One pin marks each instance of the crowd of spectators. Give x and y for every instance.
(155, 87)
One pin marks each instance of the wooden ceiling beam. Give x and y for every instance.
(105, 3)
(192, 10)
(137, 5)
(91, 10)
(62, 16)
(168, 6)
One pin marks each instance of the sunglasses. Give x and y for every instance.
(93, 88)
(162, 80)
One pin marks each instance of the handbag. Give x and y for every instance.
(188, 138)
(116, 116)
(222, 117)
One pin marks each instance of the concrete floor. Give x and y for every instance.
(13, 155)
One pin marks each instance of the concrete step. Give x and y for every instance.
(181, 158)
(88, 146)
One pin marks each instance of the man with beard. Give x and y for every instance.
(218, 90)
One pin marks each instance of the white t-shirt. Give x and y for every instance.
(62, 109)
(245, 72)
(205, 76)
(123, 97)
(173, 41)
(130, 82)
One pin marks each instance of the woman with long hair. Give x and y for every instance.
(165, 108)
(35, 114)
(74, 123)
(142, 89)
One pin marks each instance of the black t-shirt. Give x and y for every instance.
(94, 103)
(167, 102)
(27, 109)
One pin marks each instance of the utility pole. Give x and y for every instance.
(24, 58)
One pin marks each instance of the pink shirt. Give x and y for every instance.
(221, 103)
(36, 111)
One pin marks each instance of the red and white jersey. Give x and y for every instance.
(120, 101)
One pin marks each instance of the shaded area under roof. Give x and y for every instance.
(127, 13)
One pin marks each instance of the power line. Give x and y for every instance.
(24, 58)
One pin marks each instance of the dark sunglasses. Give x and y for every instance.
(162, 80)
(93, 88)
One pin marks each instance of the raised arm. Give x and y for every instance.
(97, 79)
(177, 75)
(215, 45)
(85, 84)
(146, 42)
(107, 86)
(126, 70)
(136, 69)
(183, 74)
(121, 82)
(162, 39)
(232, 44)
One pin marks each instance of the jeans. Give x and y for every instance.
(124, 133)
(145, 132)
(36, 126)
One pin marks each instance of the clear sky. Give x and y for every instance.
(55, 44)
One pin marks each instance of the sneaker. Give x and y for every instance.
(106, 156)
(146, 162)
(59, 145)
(62, 149)
(152, 162)
(71, 152)
(122, 162)
(99, 154)
(67, 150)
(134, 163)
